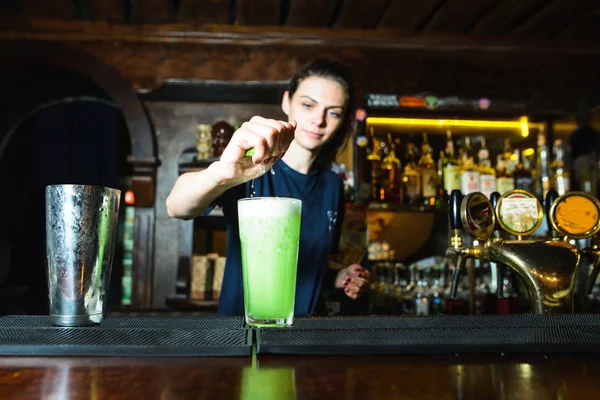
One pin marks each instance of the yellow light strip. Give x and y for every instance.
(523, 124)
(528, 152)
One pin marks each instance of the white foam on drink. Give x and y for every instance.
(268, 207)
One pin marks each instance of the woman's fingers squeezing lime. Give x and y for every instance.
(254, 147)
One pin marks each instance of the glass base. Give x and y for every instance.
(269, 323)
(75, 320)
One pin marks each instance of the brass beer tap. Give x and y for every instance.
(576, 215)
(546, 266)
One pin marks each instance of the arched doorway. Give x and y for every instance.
(68, 131)
(36, 69)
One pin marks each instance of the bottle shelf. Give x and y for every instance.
(398, 207)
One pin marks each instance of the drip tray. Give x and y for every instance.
(480, 334)
(126, 337)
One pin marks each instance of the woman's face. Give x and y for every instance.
(318, 106)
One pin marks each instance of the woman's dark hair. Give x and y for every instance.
(337, 72)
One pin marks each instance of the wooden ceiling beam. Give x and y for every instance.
(361, 14)
(154, 11)
(458, 16)
(587, 26)
(407, 14)
(204, 11)
(258, 12)
(59, 9)
(554, 18)
(310, 12)
(112, 11)
(500, 19)
(79, 31)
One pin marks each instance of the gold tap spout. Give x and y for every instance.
(547, 267)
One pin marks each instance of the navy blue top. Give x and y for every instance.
(322, 195)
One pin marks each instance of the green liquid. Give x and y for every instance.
(269, 247)
(268, 384)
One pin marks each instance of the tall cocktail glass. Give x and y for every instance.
(269, 236)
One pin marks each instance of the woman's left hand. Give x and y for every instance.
(354, 279)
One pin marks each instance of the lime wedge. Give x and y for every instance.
(250, 152)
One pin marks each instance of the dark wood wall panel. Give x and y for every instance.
(558, 15)
(500, 19)
(106, 10)
(457, 16)
(407, 14)
(154, 11)
(361, 14)
(310, 12)
(588, 27)
(543, 78)
(204, 11)
(258, 12)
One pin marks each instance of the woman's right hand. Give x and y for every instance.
(269, 138)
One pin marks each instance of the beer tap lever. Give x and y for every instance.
(494, 197)
(456, 239)
(550, 197)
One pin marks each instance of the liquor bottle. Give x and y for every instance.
(390, 174)
(561, 178)
(374, 161)
(451, 167)
(523, 177)
(542, 182)
(441, 198)
(505, 181)
(410, 177)
(426, 168)
(506, 156)
(469, 174)
(487, 174)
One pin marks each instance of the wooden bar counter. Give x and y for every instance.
(313, 377)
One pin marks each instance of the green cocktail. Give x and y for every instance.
(269, 235)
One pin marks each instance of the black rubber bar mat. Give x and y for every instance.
(124, 337)
(158, 322)
(446, 321)
(523, 334)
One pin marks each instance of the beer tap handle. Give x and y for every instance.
(456, 226)
(550, 197)
(494, 197)
(454, 209)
